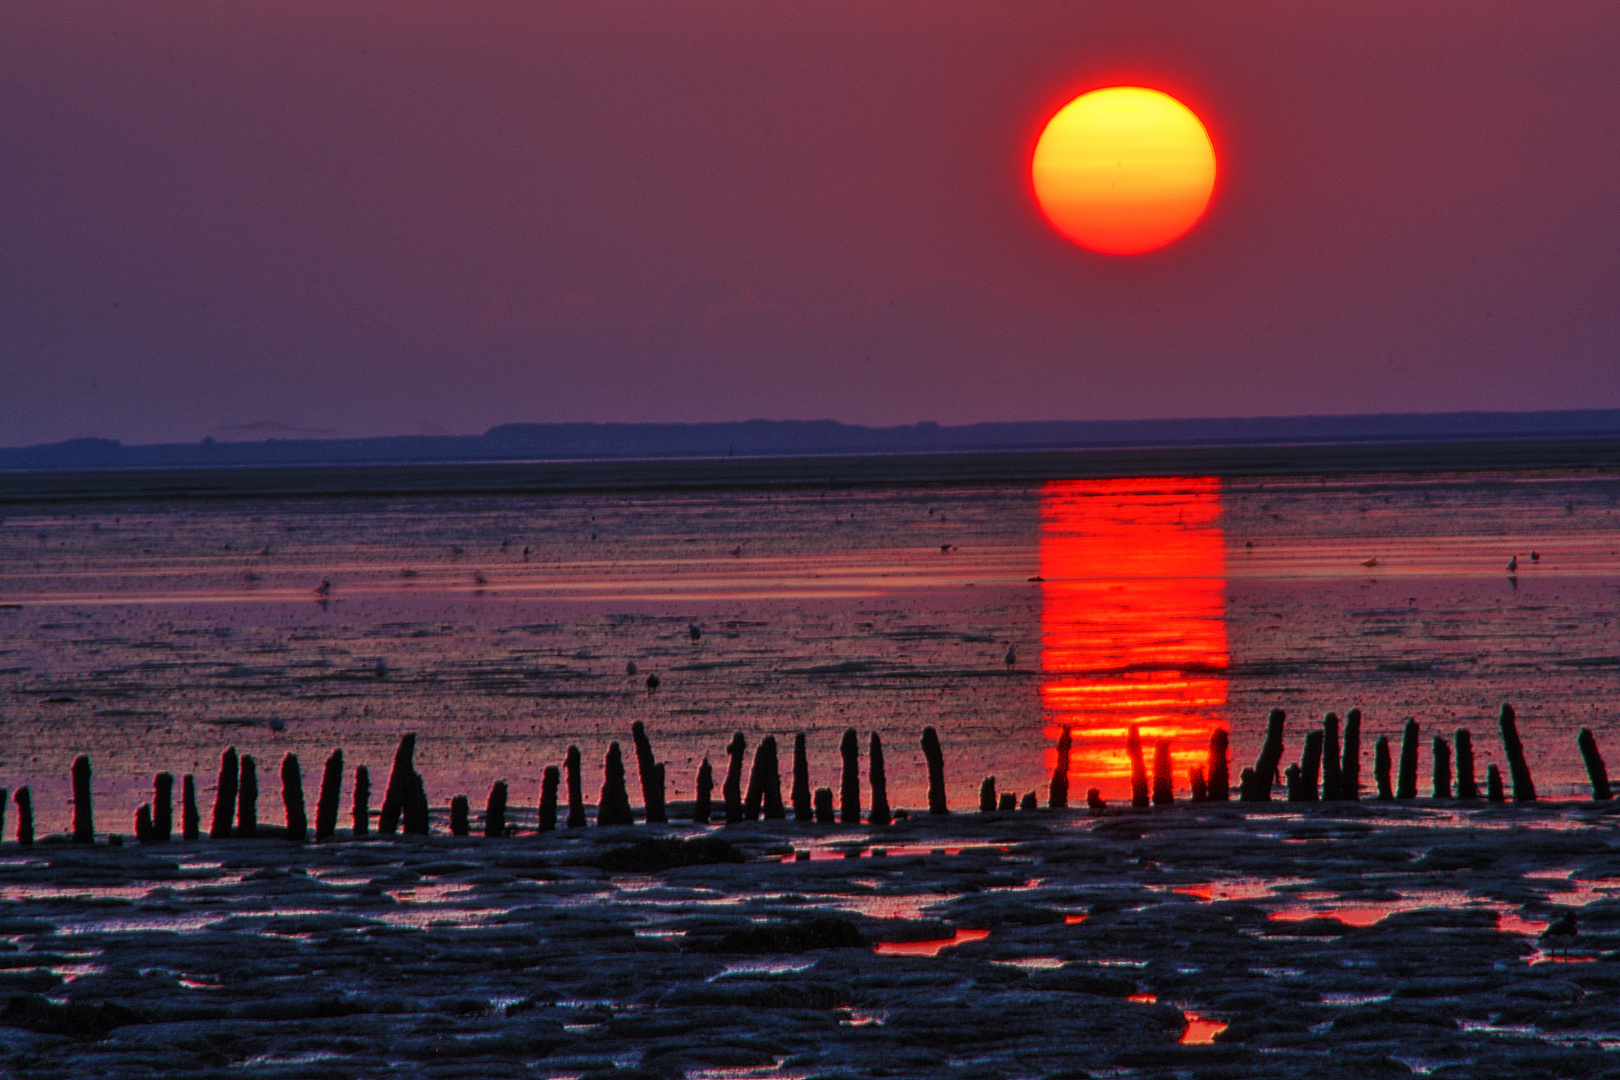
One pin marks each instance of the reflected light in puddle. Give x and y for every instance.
(1201, 1030)
(929, 948)
(1143, 999)
(1133, 626)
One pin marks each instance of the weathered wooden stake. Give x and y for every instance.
(936, 771)
(1200, 789)
(1406, 778)
(879, 780)
(1139, 784)
(225, 795)
(1350, 767)
(703, 807)
(824, 806)
(732, 789)
(613, 806)
(1057, 796)
(1009, 801)
(326, 807)
(1164, 784)
(1094, 799)
(803, 809)
(548, 798)
(576, 795)
(1440, 749)
(1381, 767)
(1466, 787)
(361, 821)
(1331, 791)
(458, 816)
(769, 764)
(495, 812)
(143, 824)
(162, 807)
(399, 785)
(247, 798)
(987, 795)
(416, 820)
(25, 816)
(1524, 789)
(84, 812)
(652, 787)
(292, 799)
(190, 820)
(1296, 782)
(1310, 766)
(1493, 784)
(1219, 770)
(1028, 802)
(756, 785)
(1595, 770)
(849, 791)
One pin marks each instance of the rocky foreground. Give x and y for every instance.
(1355, 940)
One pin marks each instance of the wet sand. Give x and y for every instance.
(1353, 940)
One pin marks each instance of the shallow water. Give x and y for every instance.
(152, 635)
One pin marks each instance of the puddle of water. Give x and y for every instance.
(1073, 920)
(1143, 999)
(929, 948)
(1353, 999)
(763, 967)
(1034, 963)
(191, 982)
(432, 893)
(758, 1072)
(1237, 889)
(857, 1018)
(1121, 963)
(1201, 1030)
(167, 923)
(886, 907)
(1364, 914)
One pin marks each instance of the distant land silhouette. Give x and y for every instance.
(808, 438)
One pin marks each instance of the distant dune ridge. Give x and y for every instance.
(789, 438)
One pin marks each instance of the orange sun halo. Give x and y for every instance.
(1123, 170)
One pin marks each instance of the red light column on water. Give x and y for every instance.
(1133, 622)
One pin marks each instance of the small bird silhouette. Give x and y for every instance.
(478, 578)
(736, 552)
(325, 587)
(1371, 562)
(630, 668)
(1563, 933)
(1535, 556)
(277, 724)
(525, 552)
(694, 631)
(652, 683)
(1011, 658)
(945, 549)
(1513, 564)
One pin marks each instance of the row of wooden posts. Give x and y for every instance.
(1329, 769)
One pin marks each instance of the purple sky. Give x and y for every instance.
(374, 218)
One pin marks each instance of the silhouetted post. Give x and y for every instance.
(1094, 799)
(1009, 801)
(987, 795)
(416, 817)
(1595, 770)
(143, 823)
(652, 781)
(189, 818)
(1296, 782)
(732, 789)
(879, 780)
(703, 807)
(613, 807)
(936, 771)
(1057, 796)
(1265, 766)
(1139, 784)
(1441, 767)
(1310, 766)
(1164, 785)
(247, 798)
(770, 768)
(25, 816)
(1493, 784)
(1350, 767)
(576, 795)
(292, 798)
(756, 785)
(362, 801)
(1381, 767)
(162, 807)
(399, 785)
(495, 812)
(458, 816)
(326, 807)
(1195, 779)
(225, 795)
(1524, 789)
(548, 798)
(1028, 802)
(849, 791)
(1466, 787)
(1330, 758)
(803, 809)
(84, 813)
(1219, 771)
(824, 806)
(1406, 778)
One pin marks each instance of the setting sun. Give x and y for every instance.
(1124, 170)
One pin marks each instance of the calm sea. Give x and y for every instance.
(501, 629)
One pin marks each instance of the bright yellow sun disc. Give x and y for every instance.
(1124, 170)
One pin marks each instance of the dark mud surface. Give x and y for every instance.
(1330, 940)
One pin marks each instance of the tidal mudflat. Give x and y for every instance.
(1335, 940)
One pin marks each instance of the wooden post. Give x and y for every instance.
(1296, 782)
(1406, 778)
(936, 771)
(1493, 784)
(1524, 789)
(458, 816)
(1350, 767)
(1094, 799)
(987, 795)
(190, 820)
(84, 813)
(362, 801)
(1028, 802)
(652, 788)
(1330, 758)
(1200, 789)
(292, 798)
(143, 824)
(613, 806)
(162, 807)
(1381, 767)
(879, 780)
(803, 809)
(1595, 770)
(576, 796)
(495, 812)
(399, 785)
(1164, 789)
(705, 793)
(1310, 766)
(415, 817)
(247, 798)
(225, 795)
(756, 785)
(1219, 770)
(1466, 787)
(1139, 784)
(732, 789)
(25, 817)
(549, 780)
(849, 791)
(1441, 767)
(769, 766)
(824, 806)
(1057, 796)
(1009, 801)
(326, 807)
